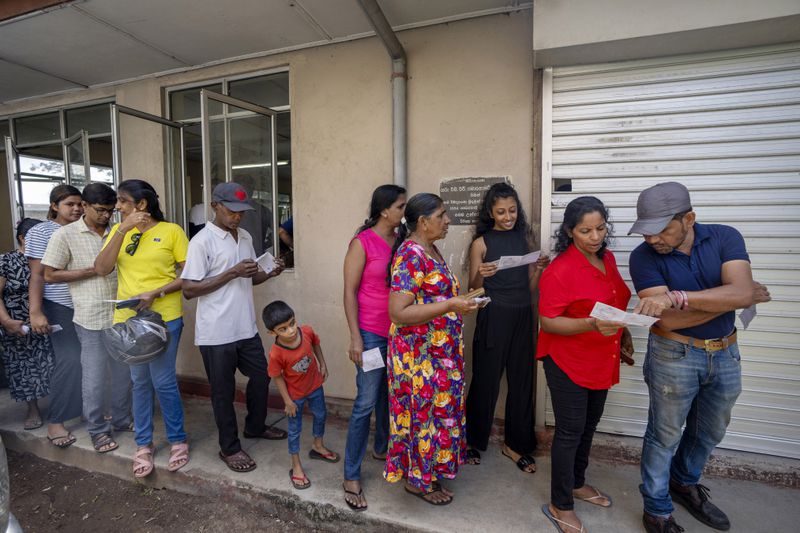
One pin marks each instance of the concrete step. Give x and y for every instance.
(494, 496)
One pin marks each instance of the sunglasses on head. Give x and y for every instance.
(131, 248)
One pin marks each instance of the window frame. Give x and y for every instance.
(224, 82)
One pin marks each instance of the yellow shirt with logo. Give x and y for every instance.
(152, 266)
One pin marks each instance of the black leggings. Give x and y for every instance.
(577, 411)
(66, 393)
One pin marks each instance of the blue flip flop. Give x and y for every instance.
(556, 522)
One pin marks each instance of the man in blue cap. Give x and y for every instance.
(220, 272)
(693, 276)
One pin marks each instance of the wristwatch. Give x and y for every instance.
(162, 294)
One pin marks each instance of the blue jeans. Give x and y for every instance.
(316, 401)
(372, 395)
(159, 376)
(690, 385)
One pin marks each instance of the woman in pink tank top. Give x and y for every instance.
(366, 306)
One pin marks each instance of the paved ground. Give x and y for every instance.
(494, 496)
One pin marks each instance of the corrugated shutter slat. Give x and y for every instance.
(726, 124)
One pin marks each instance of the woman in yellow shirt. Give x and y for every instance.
(147, 251)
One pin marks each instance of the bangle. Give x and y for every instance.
(672, 300)
(685, 300)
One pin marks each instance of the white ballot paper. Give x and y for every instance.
(372, 360)
(602, 311)
(511, 261)
(54, 328)
(747, 316)
(267, 262)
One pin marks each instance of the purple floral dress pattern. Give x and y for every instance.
(426, 378)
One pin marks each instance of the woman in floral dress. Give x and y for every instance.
(28, 357)
(426, 362)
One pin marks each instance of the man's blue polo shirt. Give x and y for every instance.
(714, 244)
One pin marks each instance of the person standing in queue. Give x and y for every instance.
(426, 359)
(581, 355)
(366, 303)
(503, 339)
(693, 276)
(147, 252)
(27, 357)
(70, 259)
(50, 305)
(220, 272)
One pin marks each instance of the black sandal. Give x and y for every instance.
(358, 495)
(525, 460)
(421, 495)
(101, 440)
(473, 457)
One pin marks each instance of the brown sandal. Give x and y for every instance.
(239, 461)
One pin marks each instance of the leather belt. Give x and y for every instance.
(709, 345)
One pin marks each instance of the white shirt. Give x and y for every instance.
(227, 314)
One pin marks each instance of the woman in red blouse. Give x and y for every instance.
(581, 355)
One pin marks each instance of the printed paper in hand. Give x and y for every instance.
(372, 360)
(54, 328)
(267, 262)
(602, 311)
(511, 261)
(747, 316)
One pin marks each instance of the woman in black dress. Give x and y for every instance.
(503, 338)
(28, 357)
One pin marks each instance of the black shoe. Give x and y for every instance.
(654, 524)
(696, 500)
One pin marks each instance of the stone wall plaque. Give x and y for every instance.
(462, 196)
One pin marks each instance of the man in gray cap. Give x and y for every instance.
(693, 276)
(220, 272)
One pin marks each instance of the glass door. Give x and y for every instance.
(149, 147)
(77, 154)
(14, 182)
(239, 146)
(33, 171)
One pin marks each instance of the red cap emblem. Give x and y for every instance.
(241, 195)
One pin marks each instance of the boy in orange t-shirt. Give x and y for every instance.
(298, 368)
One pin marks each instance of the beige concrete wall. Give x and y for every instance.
(470, 114)
(571, 22)
(587, 31)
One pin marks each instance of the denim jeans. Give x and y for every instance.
(103, 376)
(690, 385)
(316, 401)
(372, 395)
(159, 376)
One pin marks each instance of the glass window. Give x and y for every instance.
(267, 91)
(185, 104)
(241, 150)
(94, 119)
(37, 128)
(100, 160)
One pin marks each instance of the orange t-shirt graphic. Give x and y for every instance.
(299, 365)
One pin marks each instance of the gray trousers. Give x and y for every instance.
(103, 377)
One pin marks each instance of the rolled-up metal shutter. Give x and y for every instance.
(727, 125)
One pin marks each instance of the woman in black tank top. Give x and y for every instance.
(503, 338)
